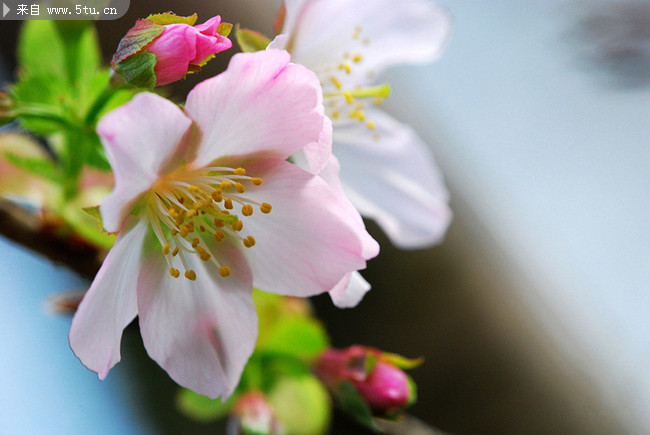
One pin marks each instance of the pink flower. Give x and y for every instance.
(208, 207)
(181, 46)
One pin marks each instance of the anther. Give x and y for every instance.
(224, 271)
(175, 252)
(226, 185)
(265, 208)
(237, 226)
(249, 241)
(247, 210)
(191, 275)
(256, 181)
(174, 272)
(165, 249)
(217, 195)
(195, 242)
(240, 187)
(371, 125)
(219, 223)
(202, 228)
(219, 236)
(228, 203)
(348, 97)
(240, 171)
(357, 58)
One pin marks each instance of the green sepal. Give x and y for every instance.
(303, 338)
(413, 391)
(250, 40)
(43, 168)
(401, 362)
(201, 408)
(136, 39)
(138, 70)
(369, 363)
(94, 212)
(350, 401)
(224, 29)
(171, 18)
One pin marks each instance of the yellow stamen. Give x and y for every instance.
(191, 275)
(175, 252)
(165, 249)
(256, 181)
(237, 226)
(228, 203)
(240, 171)
(226, 185)
(247, 210)
(174, 272)
(265, 208)
(217, 195)
(371, 125)
(224, 271)
(195, 242)
(357, 58)
(239, 187)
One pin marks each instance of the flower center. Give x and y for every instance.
(191, 206)
(346, 102)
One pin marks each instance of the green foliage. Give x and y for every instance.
(303, 338)
(302, 405)
(250, 40)
(201, 408)
(171, 18)
(37, 166)
(350, 401)
(138, 69)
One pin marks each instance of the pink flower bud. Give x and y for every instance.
(162, 48)
(387, 387)
(383, 386)
(181, 47)
(253, 414)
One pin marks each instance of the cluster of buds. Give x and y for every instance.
(377, 376)
(163, 48)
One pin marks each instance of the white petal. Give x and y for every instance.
(382, 32)
(389, 174)
(143, 139)
(261, 105)
(110, 303)
(349, 292)
(201, 332)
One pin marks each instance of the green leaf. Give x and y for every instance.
(300, 337)
(302, 405)
(224, 29)
(201, 408)
(137, 38)
(350, 401)
(171, 18)
(81, 50)
(250, 40)
(40, 48)
(138, 70)
(94, 212)
(41, 167)
(85, 224)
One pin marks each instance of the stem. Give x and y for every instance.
(99, 104)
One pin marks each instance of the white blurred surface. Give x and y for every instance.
(554, 163)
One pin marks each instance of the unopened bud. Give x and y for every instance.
(375, 375)
(163, 48)
(253, 414)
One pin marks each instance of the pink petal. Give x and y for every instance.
(201, 332)
(309, 241)
(208, 45)
(209, 28)
(110, 303)
(260, 105)
(350, 290)
(392, 178)
(143, 139)
(174, 50)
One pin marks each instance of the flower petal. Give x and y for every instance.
(260, 105)
(174, 49)
(142, 139)
(389, 175)
(381, 33)
(201, 332)
(309, 241)
(349, 291)
(110, 303)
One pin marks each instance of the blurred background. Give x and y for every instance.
(532, 314)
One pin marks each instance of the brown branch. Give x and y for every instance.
(49, 238)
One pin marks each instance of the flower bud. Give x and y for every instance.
(253, 414)
(375, 375)
(163, 48)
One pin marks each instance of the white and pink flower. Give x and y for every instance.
(387, 171)
(207, 207)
